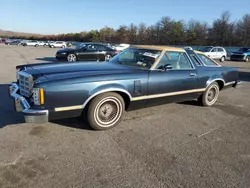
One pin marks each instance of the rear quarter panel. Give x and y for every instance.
(207, 75)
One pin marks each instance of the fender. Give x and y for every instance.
(213, 79)
(106, 88)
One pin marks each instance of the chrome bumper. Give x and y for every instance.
(22, 105)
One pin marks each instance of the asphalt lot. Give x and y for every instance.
(175, 145)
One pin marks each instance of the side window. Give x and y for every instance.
(103, 48)
(220, 50)
(207, 61)
(177, 60)
(214, 50)
(92, 47)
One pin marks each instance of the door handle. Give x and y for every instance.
(192, 74)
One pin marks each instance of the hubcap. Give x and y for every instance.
(71, 57)
(212, 95)
(108, 111)
(107, 57)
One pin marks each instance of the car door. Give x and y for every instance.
(102, 52)
(89, 53)
(214, 53)
(220, 53)
(176, 83)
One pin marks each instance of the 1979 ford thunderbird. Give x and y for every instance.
(139, 77)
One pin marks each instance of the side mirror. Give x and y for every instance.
(167, 67)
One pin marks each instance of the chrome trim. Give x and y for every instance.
(168, 94)
(78, 107)
(60, 109)
(26, 83)
(230, 83)
(22, 105)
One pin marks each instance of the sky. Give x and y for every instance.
(64, 16)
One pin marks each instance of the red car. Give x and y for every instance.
(3, 41)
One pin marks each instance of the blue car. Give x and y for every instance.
(138, 77)
(242, 55)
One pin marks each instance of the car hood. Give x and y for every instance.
(57, 71)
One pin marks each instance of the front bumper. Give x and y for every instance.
(22, 105)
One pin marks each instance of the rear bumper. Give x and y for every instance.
(22, 105)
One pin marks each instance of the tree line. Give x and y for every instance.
(168, 31)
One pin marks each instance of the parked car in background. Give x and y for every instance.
(215, 52)
(32, 43)
(3, 41)
(58, 44)
(69, 44)
(242, 55)
(121, 47)
(14, 42)
(139, 77)
(86, 52)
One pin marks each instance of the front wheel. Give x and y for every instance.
(222, 59)
(71, 58)
(36, 45)
(63, 46)
(210, 96)
(107, 57)
(105, 111)
(247, 59)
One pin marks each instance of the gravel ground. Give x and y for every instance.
(175, 145)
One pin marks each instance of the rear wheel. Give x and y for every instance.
(210, 96)
(36, 45)
(71, 58)
(105, 111)
(222, 59)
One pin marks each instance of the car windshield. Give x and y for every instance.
(244, 49)
(143, 58)
(205, 49)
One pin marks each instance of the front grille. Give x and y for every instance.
(25, 84)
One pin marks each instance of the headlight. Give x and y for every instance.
(63, 53)
(245, 54)
(38, 96)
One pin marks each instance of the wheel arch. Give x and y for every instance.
(219, 81)
(111, 88)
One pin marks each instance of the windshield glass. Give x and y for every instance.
(205, 49)
(143, 58)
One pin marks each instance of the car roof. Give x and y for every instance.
(156, 47)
